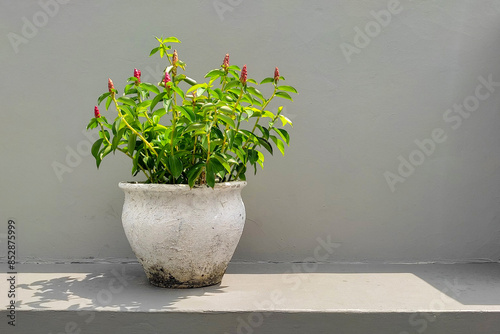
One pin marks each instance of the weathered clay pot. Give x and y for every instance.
(184, 238)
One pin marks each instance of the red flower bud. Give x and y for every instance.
(276, 75)
(111, 87)
(96, 112)
(174, 58)
(225, 63)
(137, 74)
(243, 76)
(166, 79)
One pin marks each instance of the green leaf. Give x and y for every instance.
(255, 92)
(210, 174)
(285, 120)
(116, 139)
(156, 99)
(279, 144)
(159, 112)
(260, 160)
(284, 95)
(241, 155)
(190, 81)
(130, 89)
(92, 124)
(230, 136)
(98, 161)
(234, 74)
(283, 134)
(215, 143)
(248, 134)
(108, 102)
(159, 127)
(132, 139)
(231, 84)
(253, 156)
(102, 97)
(194, 126)
(175, 166)
(223, 162)
(266, 80)
(150, 87)
(105, 152)
(226, 109)
(188, 113)
(266, 144)
(97, 147)
(265, 132)
(288, 89)
(126, 100)
(155, 50)
(178, 91)
(135, 162)
(195, 87)
(194, 173)
(171, 40)
(200, 91)
(128, 111)
(247, 98)
(144, 105)
(214, 73)
(228, 120)
(242, 171)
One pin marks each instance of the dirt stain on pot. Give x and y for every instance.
(159, 276)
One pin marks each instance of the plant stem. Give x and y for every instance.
(131, 128)
(194, 149)
(104, 133)
(227, 125)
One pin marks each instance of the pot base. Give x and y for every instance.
(160, 277)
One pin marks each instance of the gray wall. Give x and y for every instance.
(366, 100)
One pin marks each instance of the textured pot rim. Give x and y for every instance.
(137, 186)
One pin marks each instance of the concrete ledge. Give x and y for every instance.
(258, 298)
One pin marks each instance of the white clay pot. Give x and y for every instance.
(184, 238)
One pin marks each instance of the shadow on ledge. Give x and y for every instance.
(102, 290)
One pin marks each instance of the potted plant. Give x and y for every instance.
(184, 222)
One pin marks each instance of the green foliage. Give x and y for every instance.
(206, 141)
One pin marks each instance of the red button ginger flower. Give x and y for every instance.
(175, 58)
(225, 63)
(276, 75)
(111, 87)
(174, 63)
(96, 112)
(243, 76)
(166, 79)
(137, 74)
